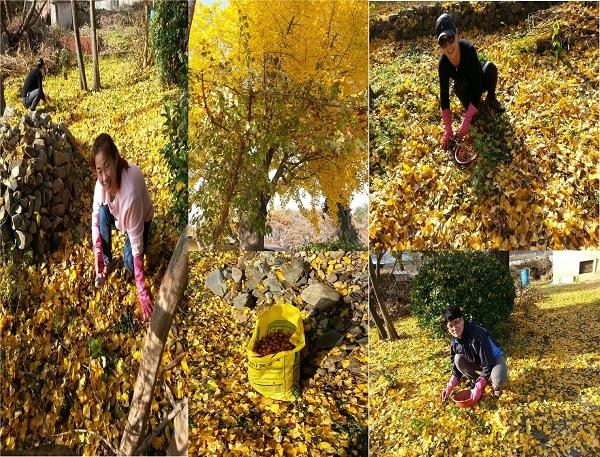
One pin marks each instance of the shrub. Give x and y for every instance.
(175, 128)
(475, 281)
(168, 29)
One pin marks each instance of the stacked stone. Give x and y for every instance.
(487, 16)
(39, 179)
(331, 287)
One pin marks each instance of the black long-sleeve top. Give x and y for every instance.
(477, 346)
(33, 81)
(469, 68)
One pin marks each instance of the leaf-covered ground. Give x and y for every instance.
(550, 406)
(227, 417)
(535, 183)
(70, 352)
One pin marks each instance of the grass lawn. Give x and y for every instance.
(550, 406)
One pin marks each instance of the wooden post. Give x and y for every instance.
(2, 99)
(82, 80)
(172, 287)
(145, 61)
(96, 82)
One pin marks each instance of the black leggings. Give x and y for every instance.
(490, 81)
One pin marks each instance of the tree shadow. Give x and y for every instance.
(495, 142)
(325, 360)
(534, 383)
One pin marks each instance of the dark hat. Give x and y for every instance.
(444, 26)
(40, 63)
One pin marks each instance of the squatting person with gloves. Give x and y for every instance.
(32, 91)
(459, 61)
(473, 350)
(121, 200)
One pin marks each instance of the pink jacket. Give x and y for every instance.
(131, 207)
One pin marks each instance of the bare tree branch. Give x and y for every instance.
(113, 449)
(207, 109)
(146, 444)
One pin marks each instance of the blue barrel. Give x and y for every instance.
(525, 277)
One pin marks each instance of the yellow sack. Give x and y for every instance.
(276, 375)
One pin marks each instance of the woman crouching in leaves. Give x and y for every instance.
(473, 349)
(459, 61)
(121, 200)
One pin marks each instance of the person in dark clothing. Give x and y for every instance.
(459, 61)
(473, 349)
(33, 91)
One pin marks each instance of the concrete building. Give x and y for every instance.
(60, 10)
(570, 266)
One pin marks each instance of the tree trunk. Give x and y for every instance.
(503, 257)
(171, 289)
(249, 239)
(384, 312)
(378, 322)
(250, 236)
(347, 230)
(82, 80)
(2, 100)
(28, 20)
(191, 8)
(146, 62)
(96, 84)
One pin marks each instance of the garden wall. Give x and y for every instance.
(329, 287)
(419, 20)
(40, 177)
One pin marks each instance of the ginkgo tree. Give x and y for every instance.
(277, 107)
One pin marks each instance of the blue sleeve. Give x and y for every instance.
(486, 354)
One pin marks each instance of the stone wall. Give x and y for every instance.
(40, 176)
(329, 287)
(419, 20)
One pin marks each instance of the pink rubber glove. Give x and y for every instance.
(99, 257)
(466, 123)
(451, 385)
(140, 282)
(449, 134)
(478, 390)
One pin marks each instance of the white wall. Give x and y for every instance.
(565, 265)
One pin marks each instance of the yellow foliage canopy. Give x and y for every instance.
(277, 99)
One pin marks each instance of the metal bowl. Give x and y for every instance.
(458, 149)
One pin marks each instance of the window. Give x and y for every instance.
(587, 266)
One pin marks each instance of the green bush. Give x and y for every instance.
(475, 281)
(168, 29)
(175, 128)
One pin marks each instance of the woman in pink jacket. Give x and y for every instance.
(121, 200)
